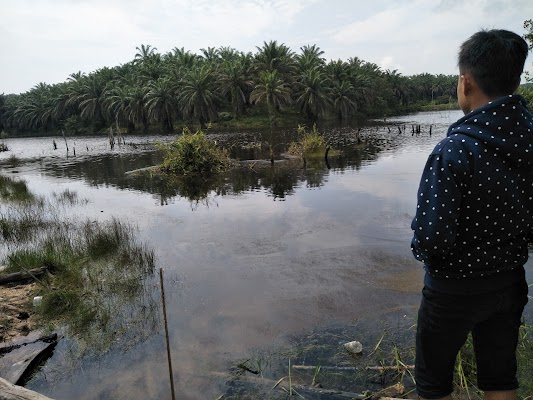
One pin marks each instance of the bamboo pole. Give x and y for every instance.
(166, 333)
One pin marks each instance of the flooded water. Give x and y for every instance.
(251, 258)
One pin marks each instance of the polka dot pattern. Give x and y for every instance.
(474, 215)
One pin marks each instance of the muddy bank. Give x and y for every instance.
(18, 314)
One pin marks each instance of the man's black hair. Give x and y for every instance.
(495, 59)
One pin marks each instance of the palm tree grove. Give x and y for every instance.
(160, 92)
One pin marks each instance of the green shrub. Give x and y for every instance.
(225, 116)
(58, 302)
(75, 125)
(311, 144)
(194, 154)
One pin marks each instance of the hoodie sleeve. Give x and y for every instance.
(437, 214)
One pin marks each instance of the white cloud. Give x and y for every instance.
(217, 23)
(424, 37)
(389, 63)
(50, 39)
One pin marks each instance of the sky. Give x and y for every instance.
(47, 40)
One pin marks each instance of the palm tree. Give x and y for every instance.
(227, 53)
(274, 92)
(235, 82)
(62, 110)
(343, 98)
(310, 57)
(91, 100)
(144, 53)
(75, 83)
(183, 58)
(274, 57)
(197, 95)
(137, 110)
(423, 84)
(162, 102)
(118, 104)
(312, 98)
(35, 108)
(355, 62)
(398, 86)
(364, 87)
(11, 103)
(337, 71)
(210, 54)
(151, 70)
(29, 111)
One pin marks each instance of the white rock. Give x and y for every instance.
(354, 347)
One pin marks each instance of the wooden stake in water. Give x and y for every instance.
(64, 137)
(166, 333)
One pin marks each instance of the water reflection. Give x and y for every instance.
(101, 166)
(278, 181)
(252, 269)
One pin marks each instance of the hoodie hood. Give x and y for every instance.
(503, 126)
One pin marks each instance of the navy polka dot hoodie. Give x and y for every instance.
(475, 201)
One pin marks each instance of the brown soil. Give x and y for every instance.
(15, 300)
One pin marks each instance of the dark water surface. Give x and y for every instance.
(265, 253)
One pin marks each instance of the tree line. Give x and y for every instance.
(157, 91)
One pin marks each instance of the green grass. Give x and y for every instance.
(438, 107)
(22, 214)
(465, 367)
(68, 197)
(12, 161)
(258, 121)
(95, 286)
(319, 357)
(12, 190)
(17, 227)
(312, 144)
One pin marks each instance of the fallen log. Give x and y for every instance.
(22, 276)
(20, 362)
(32, 337)
(9, 391)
